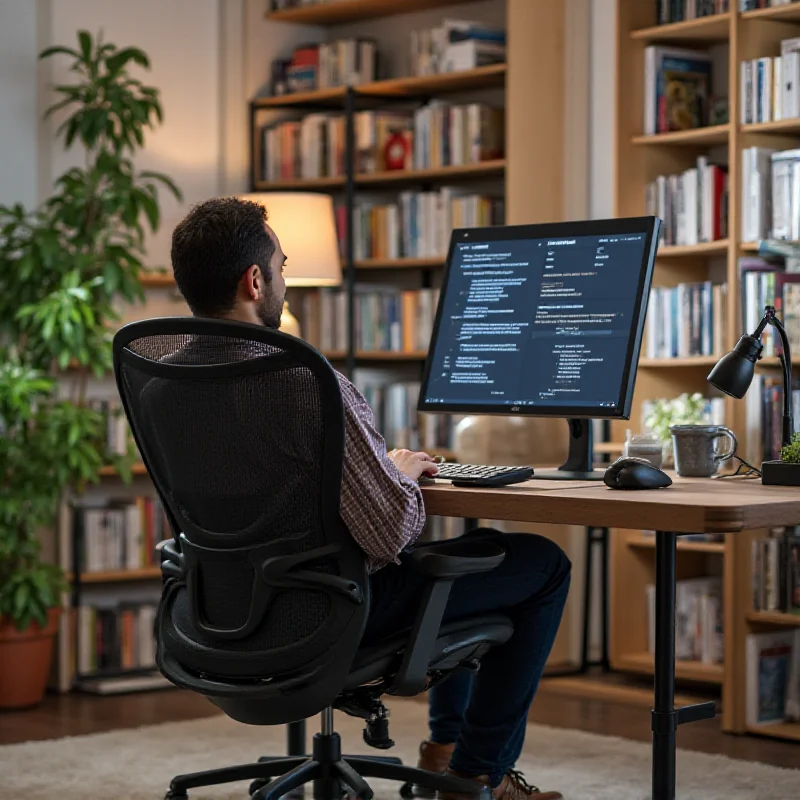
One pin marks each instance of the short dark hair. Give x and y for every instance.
(213, 246)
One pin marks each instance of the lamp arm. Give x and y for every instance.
(786, 363)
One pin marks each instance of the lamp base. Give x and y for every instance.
(289, 323)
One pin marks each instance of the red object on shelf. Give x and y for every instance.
(396, 151)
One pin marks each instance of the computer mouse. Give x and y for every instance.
(635, 473)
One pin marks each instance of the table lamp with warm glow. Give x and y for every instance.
(306, 226)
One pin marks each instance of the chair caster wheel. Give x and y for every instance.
(170, 795)
(407, 790)
(258, 783)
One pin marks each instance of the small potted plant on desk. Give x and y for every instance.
(786, 470)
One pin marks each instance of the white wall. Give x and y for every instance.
(18, 111)
(602, 93)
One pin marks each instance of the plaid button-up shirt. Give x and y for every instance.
(381, 506)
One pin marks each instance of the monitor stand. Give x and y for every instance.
(580, 460)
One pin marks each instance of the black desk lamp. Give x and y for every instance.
(734, 371)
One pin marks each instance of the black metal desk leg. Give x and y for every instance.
(666, 718)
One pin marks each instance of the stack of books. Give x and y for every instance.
(456, 45)
(698, 621)
(397, 418)
(313, 147)
(753, 5)
(419, 224)
(764, 417)
(677, 93)
(771, 86)
(679, 10)
(693, 205)
(686, 320)
(114, 637)
(773, 677)
(761, 284)
(118, 433)
(775, 568)
(438, 134)
(120, 535)
(344, 62)
(387, 319)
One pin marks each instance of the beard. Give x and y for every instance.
(269, 311)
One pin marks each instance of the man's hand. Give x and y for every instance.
(413, 464)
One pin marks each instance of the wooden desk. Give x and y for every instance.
(696, 505)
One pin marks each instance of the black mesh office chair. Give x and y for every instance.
(265, 594)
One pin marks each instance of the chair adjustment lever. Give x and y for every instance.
(376, 733)
(668, 722)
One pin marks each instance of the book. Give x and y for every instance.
(769, 663)
(668, 11)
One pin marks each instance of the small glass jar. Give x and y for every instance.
(644, 445)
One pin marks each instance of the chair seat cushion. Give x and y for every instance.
(457, 641)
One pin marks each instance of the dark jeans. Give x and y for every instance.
(485, 715)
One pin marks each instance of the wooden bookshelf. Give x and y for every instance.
(787, 13)
(111, 472)
(697, 137)
(378, 355)
(673, 363)
(488, 77)
(119, 575)
(300, 184)
(155, 280)
(649, 543)
(337, 12)
(715, 28)
(718, 247)
(642, 663)
(483, 169)
(774, 618)
(639, 161)
(780, 730)
(399, 263)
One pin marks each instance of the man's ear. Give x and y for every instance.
(252, 282)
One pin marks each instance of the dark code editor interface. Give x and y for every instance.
(537, 322)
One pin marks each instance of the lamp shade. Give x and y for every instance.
(734, 372)
(305, 224)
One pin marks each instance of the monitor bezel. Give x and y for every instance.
(649, 225)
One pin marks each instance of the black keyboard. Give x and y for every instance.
(481, 475)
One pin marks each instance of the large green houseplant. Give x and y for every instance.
(63, 266)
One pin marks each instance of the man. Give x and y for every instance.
(228, 264)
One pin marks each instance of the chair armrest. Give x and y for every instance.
(450, 560)
(171, 559)
(441, 564)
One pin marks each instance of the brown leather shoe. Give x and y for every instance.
(433, 757)
(512, 787)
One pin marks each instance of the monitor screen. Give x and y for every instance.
(543, 320)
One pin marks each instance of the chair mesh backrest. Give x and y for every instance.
(239, 459)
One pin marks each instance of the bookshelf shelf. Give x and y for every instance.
(399, 263)
(712, 134)
(338, 12)
(705, 248)
(487, 77)
(781, 730)
(111, 472)
(366, 355)
(781, 126)
(667, 363)
(749, 247)
(300, 183)
(483, 169)
(157, 280)
(649, 543)
(787, 13)
(774, 618)
(714, 28)
(118, 575)
(684, 670)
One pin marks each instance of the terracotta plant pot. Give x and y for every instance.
(25, 661)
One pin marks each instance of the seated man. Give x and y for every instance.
(228, 264)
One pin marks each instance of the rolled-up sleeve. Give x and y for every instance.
(381, 506)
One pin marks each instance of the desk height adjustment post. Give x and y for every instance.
(666, 718)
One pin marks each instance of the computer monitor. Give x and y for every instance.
(543, 320)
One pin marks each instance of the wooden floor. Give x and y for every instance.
(74, 714)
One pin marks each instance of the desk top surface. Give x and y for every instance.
(690, 505)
